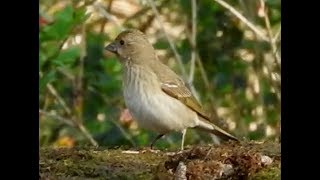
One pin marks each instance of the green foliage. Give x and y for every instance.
(46, 79)
(65, 20)
(89, 81)
(67, 57)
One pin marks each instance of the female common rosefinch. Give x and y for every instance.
(155, 96)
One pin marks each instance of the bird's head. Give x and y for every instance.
(131, 45)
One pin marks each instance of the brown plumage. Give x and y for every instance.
(155, 95)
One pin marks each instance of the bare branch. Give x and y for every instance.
(243, 19)
(270, 34)
(57, 117)
(193, 40)
(203, 72)
(53, 91)
(106, 14)
(78, 81)
(277, 36)
(206, 83)
(71, 123)
(87, 134)
(273, 47)
(124, 133)
(178, 57)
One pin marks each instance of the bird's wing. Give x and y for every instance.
(184, 95)
(174, 86)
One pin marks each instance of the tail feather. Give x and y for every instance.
(212, 128)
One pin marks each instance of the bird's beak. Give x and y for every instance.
(112, 47)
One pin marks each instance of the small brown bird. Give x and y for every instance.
(157, 97)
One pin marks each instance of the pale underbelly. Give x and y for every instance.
(159, 112)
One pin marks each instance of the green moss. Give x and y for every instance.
(97, 163)
(92, 163)
(271, 173)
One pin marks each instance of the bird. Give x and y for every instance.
(157, 98)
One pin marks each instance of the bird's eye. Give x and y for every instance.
(121, 42)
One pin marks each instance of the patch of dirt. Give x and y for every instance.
(227, 161)
(245, 160)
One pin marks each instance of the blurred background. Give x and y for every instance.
(227, 51)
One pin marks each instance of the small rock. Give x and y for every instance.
(227, 169)
(181, 171)
(266, 160)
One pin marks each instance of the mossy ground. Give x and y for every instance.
(225, 161)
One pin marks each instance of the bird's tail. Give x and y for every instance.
(212, 128)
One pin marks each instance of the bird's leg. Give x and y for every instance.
(184, 132)
(157, 138)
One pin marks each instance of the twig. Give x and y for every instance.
(104, 22)
(108, 16)
(206, 83)
(208, 153)
(56, 53)
(193, 40)
(71, 123)
(273, 46)
(142, 12)
(178, 58)
(66, 73)
(53, 91)
(268, 26)
(243, 19)
(78, 83)
(88, 2)
(67, 109)
(57, 117)
(276, 37)
(87, 134)
(141, 15)
(203, 72)
(124, 133)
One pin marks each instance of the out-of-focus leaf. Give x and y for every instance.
(239, 65)
(257, 134)
(98, 127)
(222, 83)
(47, 78)
(184, 50)
(269, 98)
(80, 16)
(67, 57)
(112, 65)
(247, 119)
(142, 138)
(275, 16)
(61, 26)
(272, 117)
(95, 44)
(64, 21)
(161, 44)
(41, 59)
(50, 47)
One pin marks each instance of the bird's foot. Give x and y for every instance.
(149, 149)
